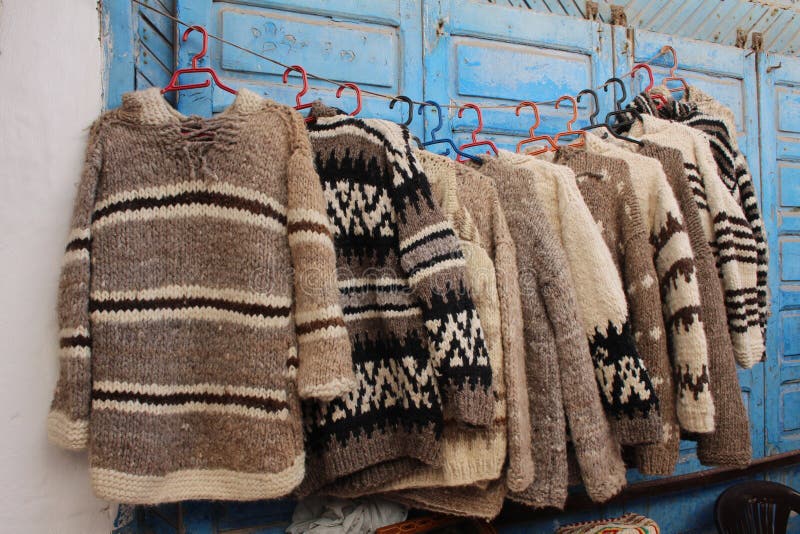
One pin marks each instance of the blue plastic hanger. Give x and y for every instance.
(435, 141)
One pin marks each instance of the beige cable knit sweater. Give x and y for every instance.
(680, 297)
(558, 355)
(181, 369)
(727, 231)
(729, 444)
(603, 306)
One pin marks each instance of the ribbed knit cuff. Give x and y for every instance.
(696, 418)
(67, 433)
(637, 430)
(473, 406)
(659, 458)
(322, 373)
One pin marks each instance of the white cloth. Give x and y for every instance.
(330, 515)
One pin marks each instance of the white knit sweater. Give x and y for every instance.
(674, 263)
(726, 228)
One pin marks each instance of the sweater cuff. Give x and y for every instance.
(67, 433)
(638, 430)
(471, 405)
(323, 373)
(696, 418)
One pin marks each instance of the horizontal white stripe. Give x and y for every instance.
(383, 314)
(359, 282)
(318, 314)
(193, 484)
(188, 211)
(425, 232)
(189, 407)
(312, 238)
(433, 269)
(197, 313)
(78, 233)
(195, 291)
(296, 215)
(77, 353)
(72, 434)
(322, 334)
(73, 332)
(72, 256)
(194, 186)
(113, 386)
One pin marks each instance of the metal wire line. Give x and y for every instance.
(339, 83)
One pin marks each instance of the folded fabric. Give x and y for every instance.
(320, 515)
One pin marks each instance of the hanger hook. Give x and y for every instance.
(664, 50)
(639, 66)
(478, 129)
(595, 109)
(535, 109)
(197, 57)
(574, 110)
(304, 90)
(408, 101)
(617, 103)
(438, 115)
(355, 88)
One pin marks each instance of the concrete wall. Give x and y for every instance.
(50, 91)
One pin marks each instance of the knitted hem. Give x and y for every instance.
(697, 419)
(328, 391)
(638, 430)
(738, 459)
(372, 479)
(66, 432)
(555, 498)
(193, 484)
(468, 502)
(473, 406)
(362, 452)
(658, 459)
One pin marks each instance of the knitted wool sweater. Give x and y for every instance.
(180, 365)
(559, 367)
(729, 444)
(704, 113)
(471, 455)
(627, 393)
(680, 296)
(726, 228)
(417, 340)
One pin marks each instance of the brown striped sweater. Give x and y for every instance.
(197, 303)
(418, 346)
(727, 230)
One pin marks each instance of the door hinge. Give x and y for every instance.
(592, 10)
(741, 38)
(618, 16)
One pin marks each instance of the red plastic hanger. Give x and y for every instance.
(532, 137)
(569, 131)
(173, 82)
(298, 99)
(672, 77)
(660, 98)
(355, 88)
(475, 141)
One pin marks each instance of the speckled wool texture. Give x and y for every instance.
(729, 444)
(673, 259)
(727, 232)
(621, 375)
(562, 394)
(181, 361)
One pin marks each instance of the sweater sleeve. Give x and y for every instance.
(68, 421)
(431, 257)
(675, 266)
(520, 462)
(735, 250)
(325, 368)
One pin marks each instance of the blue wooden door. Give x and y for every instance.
(779, 93)
(492, 55)
(374, 44)
(728, 74)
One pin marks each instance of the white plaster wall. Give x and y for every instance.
(50, 91)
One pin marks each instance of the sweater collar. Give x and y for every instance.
(149, 107)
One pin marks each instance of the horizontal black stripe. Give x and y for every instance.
(735, 257)
(445, 232)
(177, 399)
(740, 292)
(722, 216)
(79, 244)
(372, 287)
(75, 341)
(187, 302)
(193, 197)
(352, 310)
(453, 255)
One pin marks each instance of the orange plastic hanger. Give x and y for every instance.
(475, 132)
(532, 137)
(569, 131)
